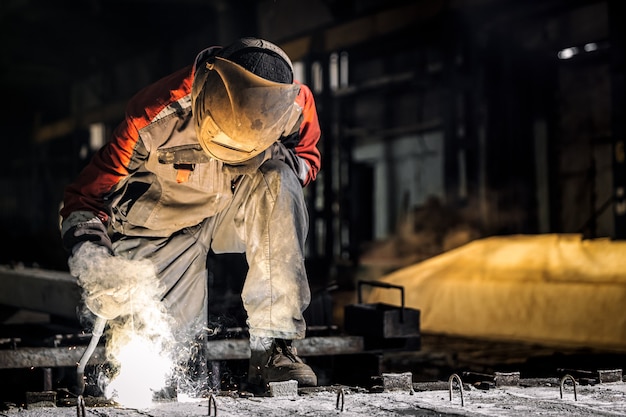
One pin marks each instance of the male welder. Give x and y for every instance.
(212, 157)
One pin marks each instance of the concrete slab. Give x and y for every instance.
(283, 388)
(604, 399)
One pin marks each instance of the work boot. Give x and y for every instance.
(278, 361)
(284, 364)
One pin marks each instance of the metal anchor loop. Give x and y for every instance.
(340, 399)
(80, 406)
(568, 376)
(450, 381)
(212, 405)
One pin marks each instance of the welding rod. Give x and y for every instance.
(96, 333)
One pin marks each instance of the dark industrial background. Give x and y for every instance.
(442, 120)
(469, 103)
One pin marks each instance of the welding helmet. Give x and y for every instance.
(244, 100)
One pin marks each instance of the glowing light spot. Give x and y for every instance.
(187, 398)
(144, 370)
(568, 53)
(590, 47)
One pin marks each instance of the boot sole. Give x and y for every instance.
(304, 379)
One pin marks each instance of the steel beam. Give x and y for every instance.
(41, 290)
(227, 349)
(52, 357)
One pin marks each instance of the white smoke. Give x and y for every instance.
(139, 338)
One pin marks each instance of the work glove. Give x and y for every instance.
(87, 230)
(106, 292)
(284, 151)
(249, 166)
(278, 150)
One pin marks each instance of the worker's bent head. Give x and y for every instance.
(244, 100)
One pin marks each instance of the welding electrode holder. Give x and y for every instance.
(96, 333)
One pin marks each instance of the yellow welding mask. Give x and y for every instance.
(239, 114)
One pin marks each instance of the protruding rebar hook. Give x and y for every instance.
(212, 405)
(340, 399)
(80, 406)
(458, 378)
(568, 376)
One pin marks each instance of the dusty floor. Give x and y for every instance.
(538, 393)
(607, 399)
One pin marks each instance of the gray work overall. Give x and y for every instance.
(268, 221)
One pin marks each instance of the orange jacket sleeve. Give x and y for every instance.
(310, 133)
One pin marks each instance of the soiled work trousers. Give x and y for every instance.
(268, 221)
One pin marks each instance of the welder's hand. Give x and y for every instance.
(249, 166)
(90, 230)
(284, 152)
(109, 303)
(106, 292)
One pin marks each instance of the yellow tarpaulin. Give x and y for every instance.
(551, 289)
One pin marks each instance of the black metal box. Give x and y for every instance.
(381, 320)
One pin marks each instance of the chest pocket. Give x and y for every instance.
(189, 164)
(189, 177)
(183, 159)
